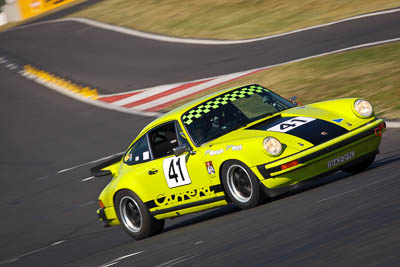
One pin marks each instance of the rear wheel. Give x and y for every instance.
(241, 185)
(361, 166)
(134, 217)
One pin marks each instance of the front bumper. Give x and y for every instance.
(273, 192)
(313, 163)
(101, 214)
(107, 216)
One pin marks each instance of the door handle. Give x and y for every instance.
(153, 171)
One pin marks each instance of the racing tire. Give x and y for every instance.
(158, 226)
(134, 216)
(361, 166)
(241, 185)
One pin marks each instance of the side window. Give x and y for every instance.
(163, 139)
(138, 153)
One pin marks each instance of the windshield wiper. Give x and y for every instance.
(264, 116)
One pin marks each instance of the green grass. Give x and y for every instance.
(227, 19)
(371, 73)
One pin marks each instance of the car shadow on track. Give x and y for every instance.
(222, 211)
(338, 176)
(385, 161)
(205, 216)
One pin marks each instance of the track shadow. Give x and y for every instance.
(222, 211)
(385, 161)
(212, 214)
(337, 177)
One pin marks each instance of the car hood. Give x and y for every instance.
(311, 125)
(313, 130)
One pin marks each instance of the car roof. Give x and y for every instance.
(176, 113)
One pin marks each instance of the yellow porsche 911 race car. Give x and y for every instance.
(238, 146)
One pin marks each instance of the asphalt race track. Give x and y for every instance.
(49, 142)
(114, 62)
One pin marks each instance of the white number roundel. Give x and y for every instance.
(291, 124)
(175, 171)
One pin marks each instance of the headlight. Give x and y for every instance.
(272, 146)
(363, 108)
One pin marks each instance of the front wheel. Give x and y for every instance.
(241, 185)
(134, 217)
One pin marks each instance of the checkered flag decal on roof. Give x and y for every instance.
(221, 100)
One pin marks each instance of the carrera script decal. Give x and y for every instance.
(165, 201)
(291, 124)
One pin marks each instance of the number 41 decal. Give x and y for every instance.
(175, 171)
(291, 124)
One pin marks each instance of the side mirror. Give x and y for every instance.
(293, 100)
(179, 150)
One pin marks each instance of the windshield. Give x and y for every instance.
(230, 111)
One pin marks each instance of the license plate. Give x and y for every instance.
(341, 159)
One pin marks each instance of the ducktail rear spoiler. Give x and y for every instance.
(97, 170)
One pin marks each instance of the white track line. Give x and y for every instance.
(199, 41)
(87, 179)
(146, 93)
(332, 52)
(117, 260)
(87, 204)
(88, 163)
(9, 261)
(177, 260)
(359, 188)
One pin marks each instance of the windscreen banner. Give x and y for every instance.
(31, 8)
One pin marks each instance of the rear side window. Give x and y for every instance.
(163, 139)
(138, 153)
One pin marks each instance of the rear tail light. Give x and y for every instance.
(378, 130)
(101, 204)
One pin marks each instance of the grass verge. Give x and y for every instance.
(227, 19)
(371, 73)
